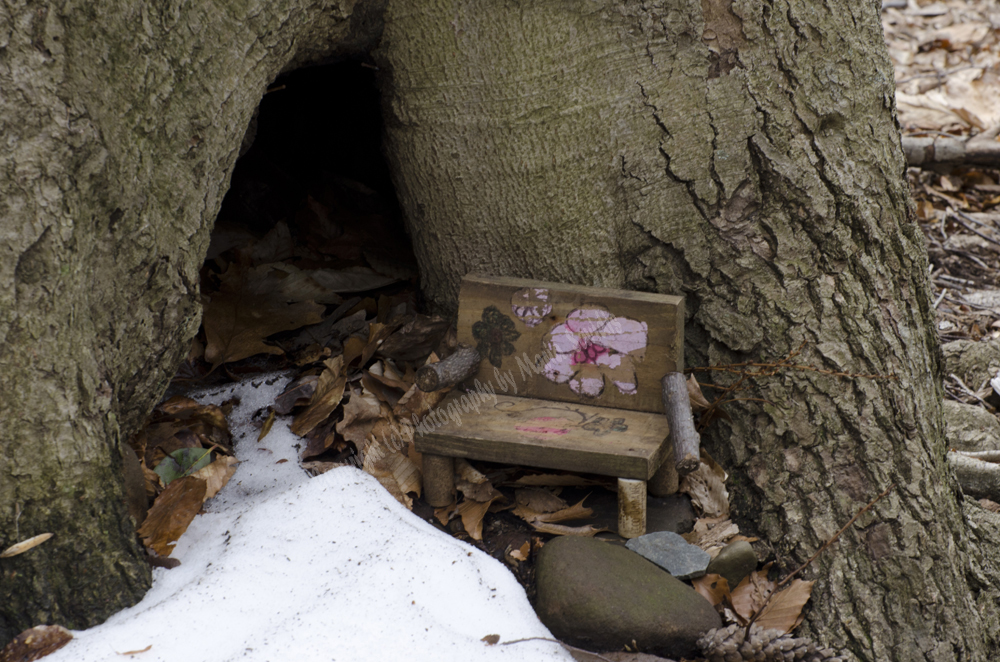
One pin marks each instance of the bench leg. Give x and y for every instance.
(631, 508)
(665, 481)
(439, 480)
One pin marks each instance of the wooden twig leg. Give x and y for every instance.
(631, 508)
(456, 368)
(683, 436)
(439, 480)
(665, 481)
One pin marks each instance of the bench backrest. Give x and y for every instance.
(572, 343)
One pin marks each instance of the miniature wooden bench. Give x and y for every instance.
(585, 379)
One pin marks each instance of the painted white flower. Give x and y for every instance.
(593, 346)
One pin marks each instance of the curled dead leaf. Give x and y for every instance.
(266, 428)
(698, 400)
(327, 397)
(25, 545)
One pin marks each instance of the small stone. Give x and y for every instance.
(599, 596)
(734, 562)
(672, 553)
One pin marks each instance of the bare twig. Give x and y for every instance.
(816, 555)
(939, 75)
(968, 391)
(963, 302)
(556, 641)
(753, 369)
(960, 218)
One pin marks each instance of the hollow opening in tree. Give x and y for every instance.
(311, 196)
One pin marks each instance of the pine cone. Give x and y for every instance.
(727, 645)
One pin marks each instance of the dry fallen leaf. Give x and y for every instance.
(361, 413)
(558, 529)
(25, 545)
(297, 394)
(472, 513)
(784, 611)
(266, 428)
(216, 475)
(473, 484)
(35, 643)
(395, 470)
(329, 392)
(707, 491)
(446, 513)
(698, 400)
(491, 639)
(251, 305)
(714, 588)
(538, 500)
(172, 513)
(712, 533)
(574, 512)
(138, 650)
(521, 553)
(751, 593)
(415, 339)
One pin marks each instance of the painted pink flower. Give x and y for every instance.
(593, 346)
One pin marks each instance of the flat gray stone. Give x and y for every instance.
(672, 553)
(734, 562)
(600, 596)
(970, 427)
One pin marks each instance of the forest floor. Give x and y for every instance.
(947, 60)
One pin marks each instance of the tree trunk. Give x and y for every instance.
(744, 154)
(121, 123)
(747, 155)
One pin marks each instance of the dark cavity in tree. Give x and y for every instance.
(315, 162)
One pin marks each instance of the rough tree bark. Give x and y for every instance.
(743, 153)
(121, 122)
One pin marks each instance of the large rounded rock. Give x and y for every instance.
(601, 596)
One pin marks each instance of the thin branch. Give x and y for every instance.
(939, 75)
(816, 555)
(968, 391)
(959, 218)
(556, 641)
